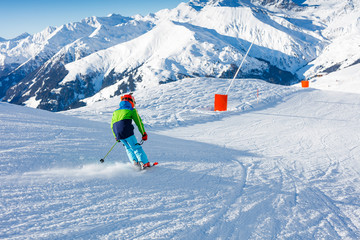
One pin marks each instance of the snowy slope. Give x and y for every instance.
(182, 102)
(345, 80)
(278, 38)
(340, 21)
(164, 53)
(285, 167)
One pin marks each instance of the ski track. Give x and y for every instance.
(287, 171)
(297, 191)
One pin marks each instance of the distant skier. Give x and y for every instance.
(123, 130)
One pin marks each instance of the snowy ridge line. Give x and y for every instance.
(189, 101)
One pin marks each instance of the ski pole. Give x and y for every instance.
(103, 159)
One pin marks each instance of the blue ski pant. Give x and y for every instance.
(134, 151)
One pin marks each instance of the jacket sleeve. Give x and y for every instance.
(112, 123)
(138, 121)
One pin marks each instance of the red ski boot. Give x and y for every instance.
(146, 165)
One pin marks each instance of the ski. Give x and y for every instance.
(143, 168)
(152, 165)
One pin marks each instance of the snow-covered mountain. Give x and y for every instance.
(97, 58)
(39, 66)
(341, 29)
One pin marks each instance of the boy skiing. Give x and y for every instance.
(123, 130)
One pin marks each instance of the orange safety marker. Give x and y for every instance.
(305, 84)
(220, 102)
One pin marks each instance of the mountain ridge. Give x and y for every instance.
(81, 59)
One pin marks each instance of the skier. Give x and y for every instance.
(123, 130)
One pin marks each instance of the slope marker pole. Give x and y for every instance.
(239, 67)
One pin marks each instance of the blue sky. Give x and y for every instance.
(32, 16)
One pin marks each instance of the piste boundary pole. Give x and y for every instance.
(239, 67)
